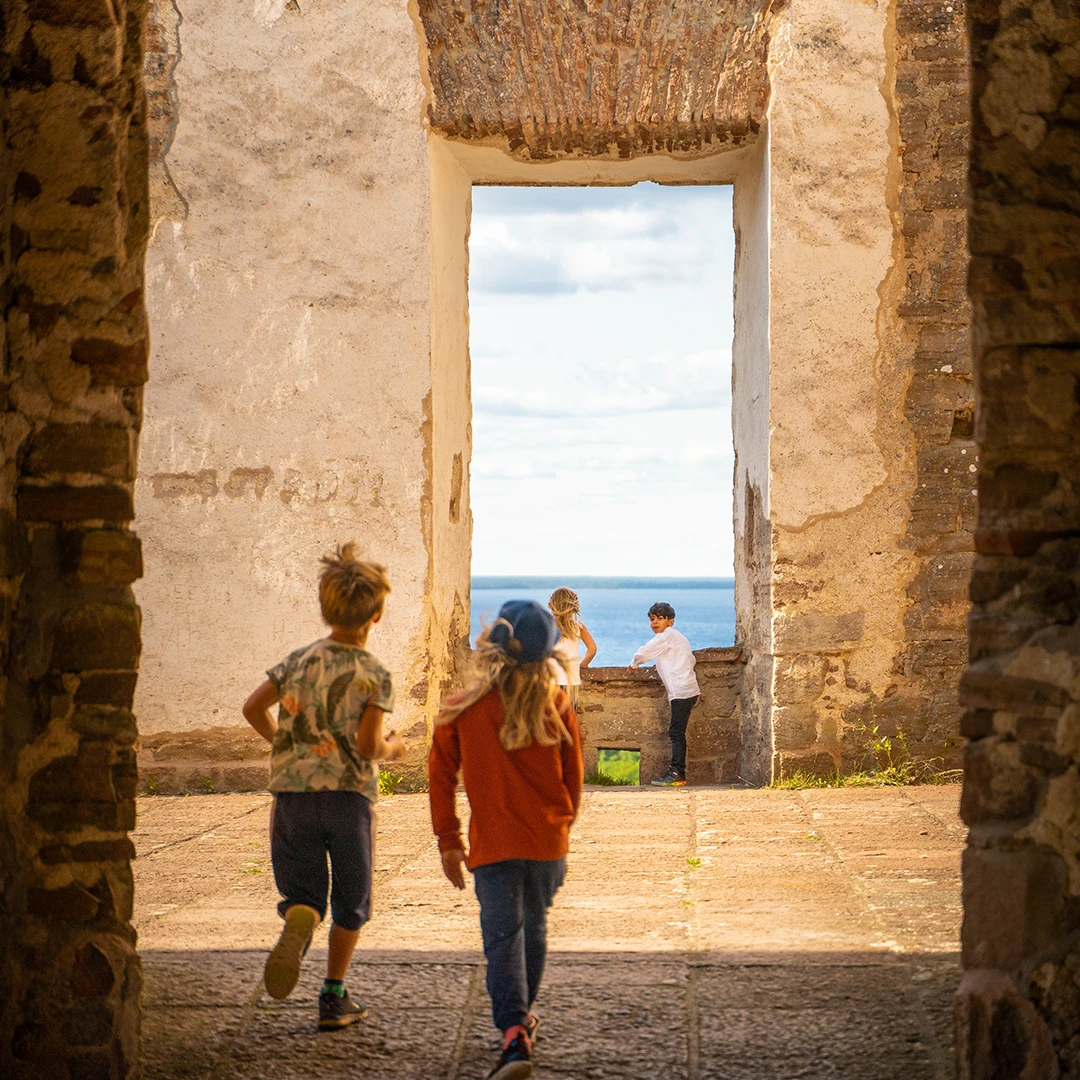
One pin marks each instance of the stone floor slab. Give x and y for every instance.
(703, 934)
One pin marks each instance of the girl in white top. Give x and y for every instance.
(566, 608)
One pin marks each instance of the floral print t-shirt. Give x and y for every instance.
(323, 690)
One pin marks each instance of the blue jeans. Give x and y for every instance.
(514, 897)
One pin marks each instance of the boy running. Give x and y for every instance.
(514, 738)
(675, 666)
(326, 743)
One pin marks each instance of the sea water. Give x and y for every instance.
(616, 609)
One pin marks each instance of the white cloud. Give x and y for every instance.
(652, 236)
(601, 379)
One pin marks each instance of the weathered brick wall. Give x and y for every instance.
(75, 337)
(548, 78)
(626, 710)
(933, 106)
(843, 670)
(1018, 1011)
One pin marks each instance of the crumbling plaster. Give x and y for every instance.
(293, 404)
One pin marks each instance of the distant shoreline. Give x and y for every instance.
(521, 581)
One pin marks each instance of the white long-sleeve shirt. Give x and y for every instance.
(674, 663)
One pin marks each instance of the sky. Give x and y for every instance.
(600, 335)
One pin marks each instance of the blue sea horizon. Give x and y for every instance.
(615, 608)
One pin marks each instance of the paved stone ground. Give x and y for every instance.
(702, 934)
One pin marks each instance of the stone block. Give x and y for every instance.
(1013, 487)
(90, 1023)
(104, 722)
(794, 727)
(812, 762)
(91, 973)
(800, 678)
(98, 637)
(89, 851)
(72, 903)
(111, 363)
(810, 632)
(104, 556)
(14, 549)
(250, 777)
(116, 688)
(997, 1031)
(997, 785)
(81, 448)
(104, 502)
(1014, 906)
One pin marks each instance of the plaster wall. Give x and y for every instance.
(839, 453)
(293, 404)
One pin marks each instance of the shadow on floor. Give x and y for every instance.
(639, 1015)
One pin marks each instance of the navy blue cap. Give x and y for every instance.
(532, 632)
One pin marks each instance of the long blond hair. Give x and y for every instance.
(566, 608)
(529, 695)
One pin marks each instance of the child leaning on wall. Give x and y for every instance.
(675, 665)
(331, 697)
(513, 736)
(566, 609)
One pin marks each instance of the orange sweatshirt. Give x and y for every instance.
(522, 801)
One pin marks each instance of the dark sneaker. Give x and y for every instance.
(532, 1026)
(283, 963)
(515, 1062)
(670, 779)
(338, 1012)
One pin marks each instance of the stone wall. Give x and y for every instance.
(869, 488)
(1018, 1010)
(304, 290)
(74, 203)
(933, 320)
(297, 401)
(628, 710)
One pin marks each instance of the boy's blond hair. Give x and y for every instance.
(351, 592)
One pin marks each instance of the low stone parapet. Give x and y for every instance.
(628, 710)
(620, 709)
(203, 761)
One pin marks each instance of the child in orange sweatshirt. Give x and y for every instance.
(514, 738)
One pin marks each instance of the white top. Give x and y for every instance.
(674, 663)
(568, 661)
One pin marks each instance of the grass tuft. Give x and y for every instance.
(892, 767)
(605, 780)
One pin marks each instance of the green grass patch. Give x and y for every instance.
(621, 767)
(603, 780)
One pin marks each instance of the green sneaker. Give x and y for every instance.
(338, 1012)
(283, 964)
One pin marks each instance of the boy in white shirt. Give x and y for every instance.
(675, 666)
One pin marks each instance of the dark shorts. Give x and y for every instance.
(308, 826)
